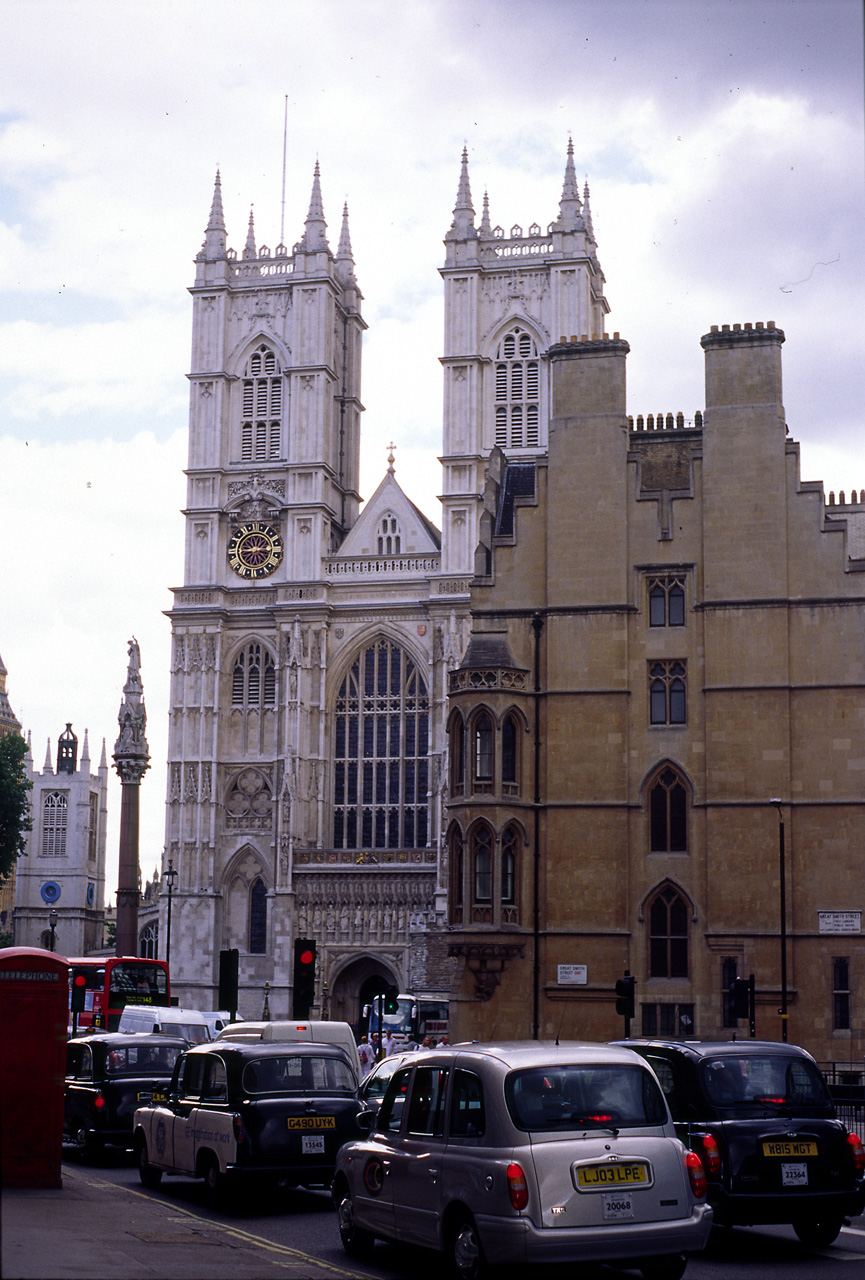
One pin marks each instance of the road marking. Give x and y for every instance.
(269, 1246)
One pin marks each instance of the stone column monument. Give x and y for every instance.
(131, 760)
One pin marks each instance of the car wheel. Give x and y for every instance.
(817, 1233)
(670, 1266)
(214, 1182)
(465, 1252)
(356, 1242)
(86, 1144)
(149, 1176)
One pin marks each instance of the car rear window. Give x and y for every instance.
(773, 1080)
(579, 1096)
(142, 1059)
(296, 1073)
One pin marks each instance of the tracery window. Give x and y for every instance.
(667, 692)
(668, 935)
(456, 745)
(389, 537)
(261, 407)
(517, 391)
(258, 918)
(510, 846)
(666, 601)
(148, 941)
(482, 755)
(55, 814)
(668, 813)
(510, 755)
(482, 842)
(381, 750)
(253, 678)
(457, 864)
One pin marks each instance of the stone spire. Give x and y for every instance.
(485, 228)
(249, 249)
(569, 218)
(344, 256)
(214, 236)
(315, 228)
(587, 213)
(463, 225)
(131, 760)
(8, 720)
(48, 766)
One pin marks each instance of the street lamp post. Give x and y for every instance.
(783, 891)
(53, 917)
(169, 877)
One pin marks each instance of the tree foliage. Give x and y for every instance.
(15, 820)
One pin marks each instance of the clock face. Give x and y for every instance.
(254, 550)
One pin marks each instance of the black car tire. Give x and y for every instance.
(214, 1182)
(356, 1242)
(86, 1144)
(818, 1233)
(670, 1266)
(150, 1177)
(466, 1257)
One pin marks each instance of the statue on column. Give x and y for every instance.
(131, 760)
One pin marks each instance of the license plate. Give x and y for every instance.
(145, 1097)
(789, 1147)
(599, 1177)
(794, 1175)
(617, 1207)
(160, 1095)
(311, 1122)
(312, 1144)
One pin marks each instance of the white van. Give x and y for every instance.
(338, 1033)
(174, 1021)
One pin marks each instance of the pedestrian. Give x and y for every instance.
(376, 1054)
(389, 1043)
(367, 1057)
(444, 1042)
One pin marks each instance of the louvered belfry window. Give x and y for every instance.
(517, 391)
(261, 410)
(381, 746)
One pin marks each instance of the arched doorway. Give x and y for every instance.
(355, 986)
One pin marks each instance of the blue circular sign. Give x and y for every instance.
(50, 891)
(91, 894)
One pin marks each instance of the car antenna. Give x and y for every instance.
(561, 1024)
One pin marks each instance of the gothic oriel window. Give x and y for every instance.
(668, 935)
(261, 407)
(456, 747)
(510, 845)
(667, 692)
(510, 755)
(389, 538)
(55, 814)
(668, 813)
(666, 601)
(258, 918)
(253, 678)
(381, 752)
(482, 752)
(456, 857)
(517, 391)
(482, 841)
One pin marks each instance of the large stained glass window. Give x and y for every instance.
(381, 746)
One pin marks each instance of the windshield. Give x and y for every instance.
(584, 1097)
(773, 1080)
(139, 1060)
(298, 1074)
(140, 982)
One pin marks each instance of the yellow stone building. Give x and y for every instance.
(664, 687)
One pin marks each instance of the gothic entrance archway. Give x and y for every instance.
(355, 986)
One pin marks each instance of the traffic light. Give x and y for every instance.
(228, 967)
(78, 994)
(625, 1003)
(740, 998)
(304, 977)
(391, 1002)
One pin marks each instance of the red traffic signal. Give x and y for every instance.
(78, 991)
(304, 977)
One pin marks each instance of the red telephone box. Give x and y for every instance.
(34, 1011)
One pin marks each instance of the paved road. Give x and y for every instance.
(294, 1233)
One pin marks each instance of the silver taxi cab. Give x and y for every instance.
(525, 1152)
(275, 1112)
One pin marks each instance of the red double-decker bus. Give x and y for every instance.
(113, 982)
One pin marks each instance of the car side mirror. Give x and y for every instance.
(366, 1121)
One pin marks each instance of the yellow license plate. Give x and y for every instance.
(786, 1147)
(598, 1177)
(311, 1122)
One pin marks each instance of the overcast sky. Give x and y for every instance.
(722, 141)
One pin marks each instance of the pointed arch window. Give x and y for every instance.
(456, 743)
(517, 391)
(668, 934)
(482, 844)
(668, 813)
(482, 753)
(148, 941)
(381, 752)
(55, 815)
(261, 407)
(667, 693)
(253, 678)
(456, 860)
(510, 846)
(510, 755)
(258, 918)
(389, 536)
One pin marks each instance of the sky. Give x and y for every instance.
(722, 141)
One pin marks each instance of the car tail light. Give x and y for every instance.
(517, 1186)
(239, 1131)
(99, 1102)
(857, 1151)
(711, 1156)
(696, 1176)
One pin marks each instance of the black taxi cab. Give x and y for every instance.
(761, 1119)
(239, 1111)
(108, 1076)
